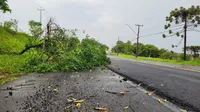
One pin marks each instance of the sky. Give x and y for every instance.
(105, 20)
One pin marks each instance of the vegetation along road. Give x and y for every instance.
(178, 86)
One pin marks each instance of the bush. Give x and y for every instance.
(86, 55)
(188, 57)
(166, 55)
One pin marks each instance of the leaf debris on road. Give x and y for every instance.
(159, 100)
(101, 109)
(182, 110)
(126, 107)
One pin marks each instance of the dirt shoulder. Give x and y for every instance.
(60, 92)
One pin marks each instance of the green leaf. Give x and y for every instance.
(177, 34)
(164, 36)
(126, 107)
(67, 107)
(182, 110)
(79, 101)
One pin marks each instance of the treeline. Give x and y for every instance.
(149, 50)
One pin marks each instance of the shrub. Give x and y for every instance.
(187, 57)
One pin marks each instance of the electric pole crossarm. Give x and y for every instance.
(41, 9)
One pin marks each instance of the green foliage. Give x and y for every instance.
(128, 49)
(93, 53)
(183, 15)
(186, 16)
(169, 55)
(187, 57)
(150, 51)
(143, 50)
(12, 24)
(4, 6)
(35, 29)
(63, 52)
(140, 49)
(11, 41)
(195, 50)
(119, 48)
(82, 56)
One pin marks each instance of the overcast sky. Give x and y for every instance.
(105, 19)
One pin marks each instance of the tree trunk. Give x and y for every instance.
(29, 47)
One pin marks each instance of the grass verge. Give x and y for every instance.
(10, 67)
(195, 62)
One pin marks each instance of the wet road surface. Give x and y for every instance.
(180, 86)
(51, 92)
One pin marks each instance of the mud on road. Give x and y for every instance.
(56, 92)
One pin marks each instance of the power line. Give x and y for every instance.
(154, 13)
(159, 32)
(33, 1)
(175, 33)
(194, 30)
(131, 28)
(179, 42)
(176, 25)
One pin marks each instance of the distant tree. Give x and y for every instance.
(128, 47)
(185, 16)
(194, 49)
(162, 50)
(150, 51)
(4, 6)
(119, 48)
(140, 49)
(7, 24)
(35, 29)
(105, 47)
(167, 54)
(12, 24)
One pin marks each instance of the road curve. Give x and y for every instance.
(179, 86)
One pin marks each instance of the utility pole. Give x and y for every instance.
(41, 9)
(117, 50)
(185, 39)
(138, 36)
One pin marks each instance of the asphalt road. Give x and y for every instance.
(179, 86)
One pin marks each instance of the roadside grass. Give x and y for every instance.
(10, 67)
(195, 62)
(10, 63)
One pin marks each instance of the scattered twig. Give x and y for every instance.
(111, 92)
(24, 84)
